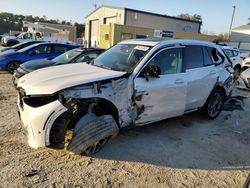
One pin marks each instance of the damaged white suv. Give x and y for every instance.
(136, 82)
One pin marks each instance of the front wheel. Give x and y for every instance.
(12, 66)
(214, 104)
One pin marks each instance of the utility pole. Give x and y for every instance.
(230, 28)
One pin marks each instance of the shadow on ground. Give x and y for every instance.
(187, 142)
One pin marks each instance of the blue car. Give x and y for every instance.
(9, 61)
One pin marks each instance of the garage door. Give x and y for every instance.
(94, 33)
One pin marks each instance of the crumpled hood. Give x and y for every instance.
(36, 64)
(53, 79)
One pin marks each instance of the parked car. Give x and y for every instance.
(234, 55)
(136, 82)
(244, 81)
(72, 56)
(10, 61)
(246, 63)
(19, 46)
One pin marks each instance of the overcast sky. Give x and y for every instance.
(216, 14)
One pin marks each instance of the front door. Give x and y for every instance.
(165, 96)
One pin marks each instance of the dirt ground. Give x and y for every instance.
(187, 151)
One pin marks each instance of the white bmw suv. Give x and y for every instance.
(136, 82)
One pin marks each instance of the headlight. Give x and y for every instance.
(37, 101)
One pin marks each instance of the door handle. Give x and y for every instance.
(179, 81)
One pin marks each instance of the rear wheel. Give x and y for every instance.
(12, 66)
(214, 104)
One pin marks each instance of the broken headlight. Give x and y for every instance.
(37, 101)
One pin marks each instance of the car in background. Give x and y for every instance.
(19, 46)
(246, 63)
(244, 80)
(76, 55)
(234, 55)
(11, 61)
(134, 83)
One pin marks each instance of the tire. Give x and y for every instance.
(12, 66)
(214, 104)
(11, 44)
(91, 133)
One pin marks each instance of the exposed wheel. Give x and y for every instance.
(214, 104)
(237, 71)
(12, 66)
(97, 146)
(91, 133)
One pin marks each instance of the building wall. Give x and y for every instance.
(71, 29)
(112, 15)
(141, 19)
(239, 37)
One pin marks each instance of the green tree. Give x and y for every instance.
(195, 17)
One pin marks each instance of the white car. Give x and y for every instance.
(136, 82)
(244, 80)
(246, 63)
(234, 55)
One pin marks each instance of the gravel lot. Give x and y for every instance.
(187, 151)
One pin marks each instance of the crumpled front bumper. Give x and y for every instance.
(38, 121)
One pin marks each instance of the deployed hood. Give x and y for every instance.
(53, 79)
(36, 64)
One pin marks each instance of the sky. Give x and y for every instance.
(216, 14)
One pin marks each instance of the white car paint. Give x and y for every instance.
(48, 81)
(137, 100)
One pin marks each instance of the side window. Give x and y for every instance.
(193, 57)
(216, 56)
(87, 57)
(229, 53)
(235, 53)
(41, 49)
(207, 57)
(60, 49)
(169, 61)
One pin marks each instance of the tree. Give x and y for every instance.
(195, 17)
(223, 37)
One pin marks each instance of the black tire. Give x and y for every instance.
(12, 66)
(9, 44)
(214, 104)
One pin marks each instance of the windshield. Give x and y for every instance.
(122, 57)
(67, 56)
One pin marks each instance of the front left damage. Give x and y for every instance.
(83, 118)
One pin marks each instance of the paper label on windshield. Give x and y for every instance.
(142, 48)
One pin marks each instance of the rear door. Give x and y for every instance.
(165, 96)
(202, 75)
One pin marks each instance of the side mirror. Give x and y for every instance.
(152, 71)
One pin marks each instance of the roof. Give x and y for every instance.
(156, 41)
(144, 12)
(245, 29)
